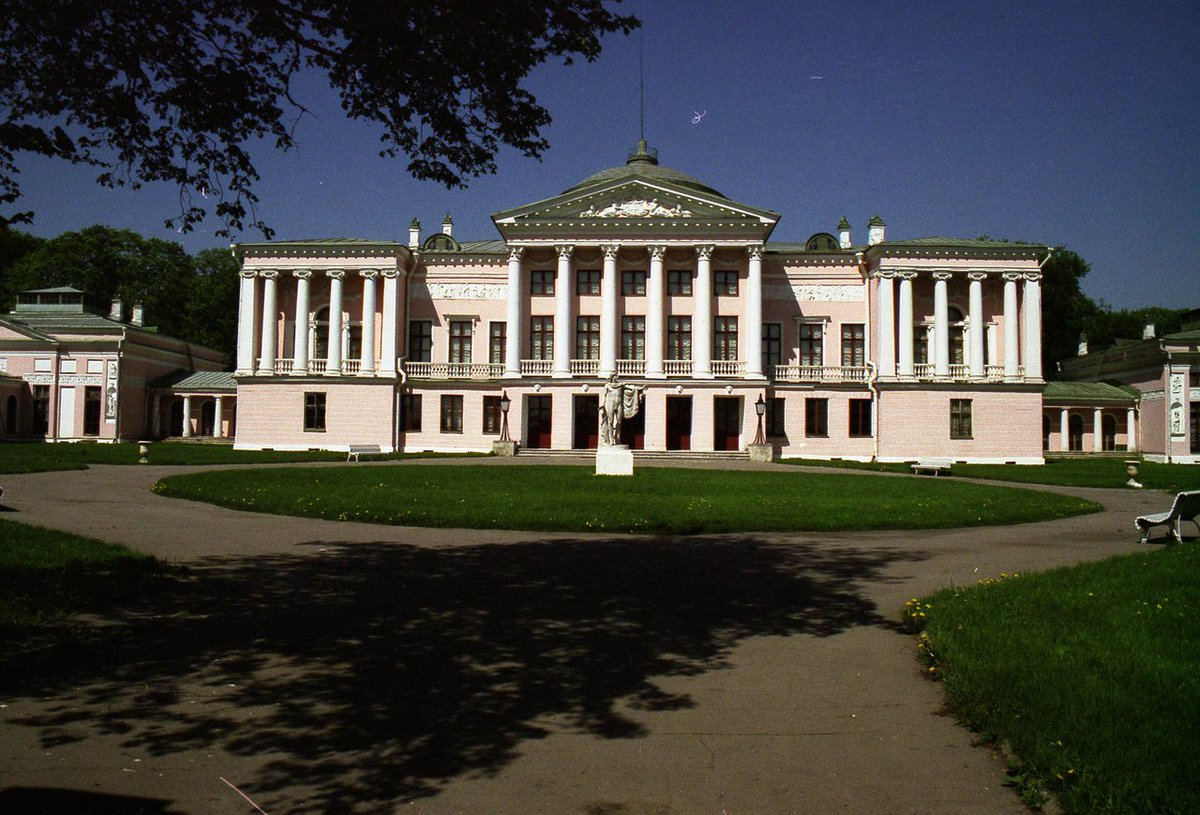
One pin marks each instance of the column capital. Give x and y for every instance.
(705, 251)
(564, 250)
(1012, 277)
(884, 274)
(610, 250)
(942, 275)
(249, 274)
(657, 251)
(515, 253)
(269, 274)
(977, 276)
(335, 274)
(906, 275)
(755, 252)
(1032, 277)
(369, 274)
(302, 274)
(390, 274)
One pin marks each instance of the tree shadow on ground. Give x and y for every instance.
(364, 674)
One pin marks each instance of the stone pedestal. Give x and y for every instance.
(762, 452)
(504, 449)
(614, 460)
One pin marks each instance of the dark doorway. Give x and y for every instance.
(1046, 425)
(679, 423)
(538, 422)
(727, 422)
(1075, 433)
(208, 412)
(10, 416)
(587, 423)
(1196, 428)
(633, 431)
(1108, 433)
(176, 423)
(91, 411)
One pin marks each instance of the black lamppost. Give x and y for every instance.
(505, 404)
(760, 407)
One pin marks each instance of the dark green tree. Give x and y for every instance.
(180, 91)
(14, 245)
(211, 315)
(1107, 326)
(1065, 308)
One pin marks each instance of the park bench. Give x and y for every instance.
(932, 466)
(1185, 508)
(357, 450)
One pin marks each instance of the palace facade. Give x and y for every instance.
(882, 349)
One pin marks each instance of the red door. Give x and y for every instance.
(679, 423)
(537, 426)
(587, 422)
(727, 422)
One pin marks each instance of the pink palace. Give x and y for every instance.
(883, 349)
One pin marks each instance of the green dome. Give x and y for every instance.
(643, 163)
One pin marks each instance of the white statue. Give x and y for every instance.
(620, 401)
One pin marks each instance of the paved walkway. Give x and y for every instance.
(343, 668)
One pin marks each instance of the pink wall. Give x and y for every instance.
(272, 415)
(915, 423)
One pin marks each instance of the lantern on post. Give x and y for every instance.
(760, 407)
(505, 404)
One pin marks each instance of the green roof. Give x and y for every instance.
(966, 243)
(643, 163)
(485, 247)
(185, 380)
(1089, 393)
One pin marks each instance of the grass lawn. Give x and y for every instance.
(656, 500)
(39, 457)
(1090, 673)
(46, 575)
(1090, 472)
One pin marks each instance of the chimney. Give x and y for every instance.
(138, 317)
(844, 233)
(1083, 349)
(414, 234)
(117, 311)
(448, 226)
(1148, 331)
(876, 231)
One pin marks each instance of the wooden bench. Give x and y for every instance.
(1185, 508)
(357, 450)
(932, 466)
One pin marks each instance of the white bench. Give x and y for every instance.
(1185, 508)
(357, 450)
(932, 466)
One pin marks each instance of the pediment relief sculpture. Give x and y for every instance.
(636, 208)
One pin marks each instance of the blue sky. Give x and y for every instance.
(1069, 123)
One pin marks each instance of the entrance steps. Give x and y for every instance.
(645, 455)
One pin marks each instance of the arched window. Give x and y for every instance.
(207, 417)
(1075, 433)
(1108, 433)
(1046, 425)
(957, 328)
(320, 349)
(176, 418)
(10, 416)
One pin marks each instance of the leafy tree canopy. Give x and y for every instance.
(179, 91)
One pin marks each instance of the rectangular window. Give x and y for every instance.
(491, 414)
(410, 412)
(91, 410)
(41, 410)
(725, 338)
(860, 417)
(772, 346)
(679, 281)
(497, 343)
(633, 283)
(314, 411)
(921, 345)
(774, 416)
(460, 342)
(960, 418)
(541, 338)
(679, 338)
(420, 340)
(816, 417)
(587, 282)
(587, 337)
(541, 281)
(633, 338)
(452, 410)
(812, 344)
(853, 345)
(725, 283)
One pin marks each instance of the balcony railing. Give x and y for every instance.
(728, 367)
(283, 366)
(585, 367)
(631, 367)
(351, 366)
(453, 370)
(959, 373)
(316, 366)
(677, 367)
(537, 366)
(819, 373)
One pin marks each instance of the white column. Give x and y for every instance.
(906, 324)
(1097, 430)
(702, 315)
(1011, 335)
(218, 411)
(564, 291)
(608, 311)
(1131, 444)
(156, 416)
(1064, 425)
(300, 332)
(247, 306)
(887, 328)
(367, 363)
(978, 331)
(187, 417)
(656, 321)
(387, 347)
(514, 329)
(941, 325)
(270, 324)
(754, 297)
(1033, 326)
(333, 361)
